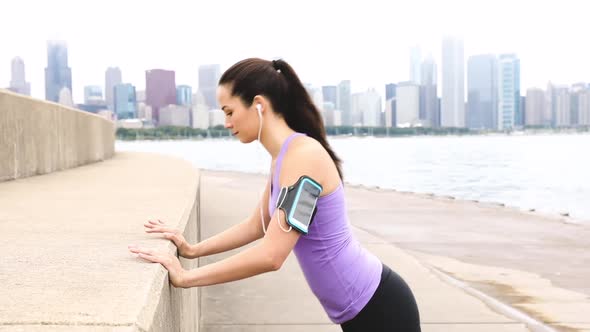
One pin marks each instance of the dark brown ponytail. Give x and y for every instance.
(277, 81)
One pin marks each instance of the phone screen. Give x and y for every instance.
(306, 203)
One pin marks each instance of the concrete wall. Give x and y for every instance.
(169, 308)
(38, 137)
(65, 264)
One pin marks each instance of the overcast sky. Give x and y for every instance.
(327, 41)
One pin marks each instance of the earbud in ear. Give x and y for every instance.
(259, 109)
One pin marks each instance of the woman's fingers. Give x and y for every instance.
(150, 258)
(138, 250)
(160, 230)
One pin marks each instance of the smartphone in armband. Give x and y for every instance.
(299, 202)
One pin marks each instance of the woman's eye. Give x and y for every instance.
(229, 113)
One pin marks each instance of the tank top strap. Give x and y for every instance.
(278, 164)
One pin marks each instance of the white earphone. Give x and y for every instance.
(259, 109)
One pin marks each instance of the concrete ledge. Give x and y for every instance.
(39, 137)
(65, 265)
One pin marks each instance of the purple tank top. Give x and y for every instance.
(340, 272)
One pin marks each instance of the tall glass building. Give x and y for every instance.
(344, 102)
(209, 76)
(482, 92)
(453, 84)
(92, 95)
(509, 113)
(57, 73)
(125, 101)
(184, 95)
(112, 77)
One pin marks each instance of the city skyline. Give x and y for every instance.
(206, 34)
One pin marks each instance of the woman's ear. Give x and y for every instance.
(260, 103)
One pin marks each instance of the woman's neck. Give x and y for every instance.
(274, 134)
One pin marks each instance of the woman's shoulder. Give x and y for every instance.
(307, 156)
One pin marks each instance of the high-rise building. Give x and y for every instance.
(209, 76)
(407, 99)
(184, 95)
(160, 86)
(453, 84)
(93, 95)
(390, 91)
(366, 108)
(125, 101)
(112, 77)
(415, 64)
(535, 107)
(576, 92)
(562, 104)
(344, 102)
(390, 112)
(330, 94)
(18, 82)
(482, 92)
(584, 107)
(509, 114)
(175, 115)
(428, 94)
(57, 73)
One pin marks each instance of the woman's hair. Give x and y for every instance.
(278, 82)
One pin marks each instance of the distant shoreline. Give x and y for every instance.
(186, 133)
(555, 217)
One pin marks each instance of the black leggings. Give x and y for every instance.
(391, 309)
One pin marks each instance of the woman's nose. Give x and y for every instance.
(228, 125)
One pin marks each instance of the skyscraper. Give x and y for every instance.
(18, 83)
(112, 77)
(584, 107)
(57, 73)
(330, 94)
(125, 101)
(429, 114)
(453, 84)
(415, 64)
(562, 102)
(344, 102)
(576, 92)
(390, 91)
(407, 98)
(160, 90)
(92, 95)
(482, 92)
(535, 107)
(209, 76)
(184, 95)
(509, 114)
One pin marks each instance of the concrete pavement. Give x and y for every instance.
(273, 302)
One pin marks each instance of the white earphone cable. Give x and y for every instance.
(259, 109)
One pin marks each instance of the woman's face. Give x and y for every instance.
(240, 120)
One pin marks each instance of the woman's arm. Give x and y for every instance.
(236, 236)
(266, 256)
(270, 253)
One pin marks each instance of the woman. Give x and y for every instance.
(265, 100)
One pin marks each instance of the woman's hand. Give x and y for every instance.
(176, 273)
(174, 235)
